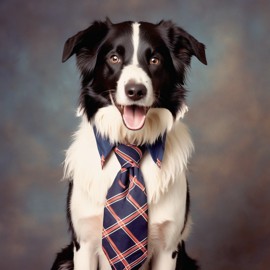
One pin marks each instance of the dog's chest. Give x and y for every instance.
(95, 180)
(83, 164)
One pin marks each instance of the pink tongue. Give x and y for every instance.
(134, 117)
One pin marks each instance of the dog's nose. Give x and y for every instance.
(135, 91)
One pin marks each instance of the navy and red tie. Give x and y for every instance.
(125, 225)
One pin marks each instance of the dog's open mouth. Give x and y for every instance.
(133, 116)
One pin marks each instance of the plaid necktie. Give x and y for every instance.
(124, 237)
(125, 260)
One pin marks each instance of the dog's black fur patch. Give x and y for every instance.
(64, 259)
(184, 262)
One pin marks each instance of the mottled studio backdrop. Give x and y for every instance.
(229, 119)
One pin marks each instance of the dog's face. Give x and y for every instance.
(134, 67)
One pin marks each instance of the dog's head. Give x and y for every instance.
(133, 67)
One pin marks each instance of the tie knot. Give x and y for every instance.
(129, 155)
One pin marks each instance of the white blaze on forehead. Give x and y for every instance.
(135, 41)
(135, 73)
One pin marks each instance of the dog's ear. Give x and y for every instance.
(182, 44)
(72, 44)
(88, 39)
(187, 46)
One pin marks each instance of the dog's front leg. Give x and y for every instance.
(85, 258)
(88, 247)
(164, 259)
(163, 242)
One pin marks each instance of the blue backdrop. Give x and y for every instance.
(228, 118)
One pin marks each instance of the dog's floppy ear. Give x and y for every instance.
(72, 45)
(89, 39)
(189, 46)
(183, 44)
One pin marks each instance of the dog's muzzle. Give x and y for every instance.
(134, 114)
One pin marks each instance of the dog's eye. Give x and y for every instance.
(154, 61)
(114, 59)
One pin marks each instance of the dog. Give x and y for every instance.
(132, 91)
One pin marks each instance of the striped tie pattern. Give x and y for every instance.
(124, 236)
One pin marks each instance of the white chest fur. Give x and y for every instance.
(166, 186)
(83, 164)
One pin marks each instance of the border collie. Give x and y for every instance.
(132, 91)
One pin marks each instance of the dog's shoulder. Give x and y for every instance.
(83, 164)
(178, 149)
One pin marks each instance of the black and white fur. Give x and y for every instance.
(141, 65)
